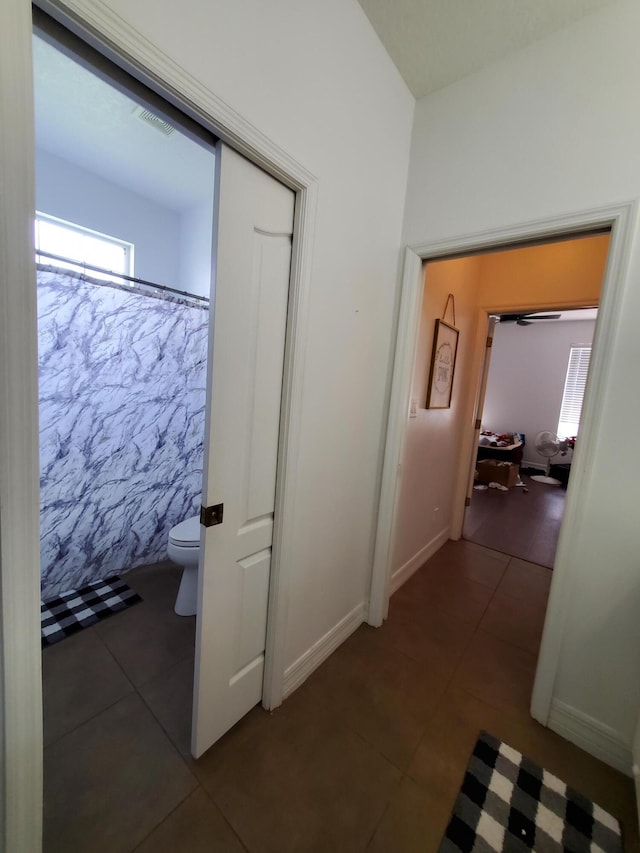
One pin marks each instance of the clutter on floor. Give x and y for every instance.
(501, 473)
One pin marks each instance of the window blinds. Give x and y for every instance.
(574, 385)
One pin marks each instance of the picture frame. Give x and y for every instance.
(443, 365)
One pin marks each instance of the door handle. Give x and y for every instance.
(211, 515)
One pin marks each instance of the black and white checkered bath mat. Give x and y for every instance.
(508, 803)
(78, 608)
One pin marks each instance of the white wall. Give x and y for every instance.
(196, 233)
(548, 131)
(526, 378)
(426, 489)
(72, 193)
(316, 80)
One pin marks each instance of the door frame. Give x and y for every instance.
(20, 651)
(110, 35)
(621, 219)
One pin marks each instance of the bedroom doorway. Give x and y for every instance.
(392, 568)
(431, 453)
(535, 380)
(529, 392)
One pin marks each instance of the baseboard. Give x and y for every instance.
(302, 668)
(402, 575)
(537, 465)
(594, 737)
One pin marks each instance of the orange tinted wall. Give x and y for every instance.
(564, 274)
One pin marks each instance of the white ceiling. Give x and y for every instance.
(436, 42)
(86, 121)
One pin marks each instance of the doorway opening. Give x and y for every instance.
(123, 352)
(160, 379)
(440, 444)
(120, 43)
(456, 438)
(525, 448)
(124, 231)
(523, 397)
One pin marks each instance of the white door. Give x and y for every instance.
(246, 354)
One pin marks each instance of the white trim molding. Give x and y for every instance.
(402, 575)
(406, 340)
(591, 735)
(20, 656)
(115, 39)
(302, 668)
(103, 29)
(522, 233)
(622, 219)
(282, 558)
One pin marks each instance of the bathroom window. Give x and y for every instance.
(70, 246)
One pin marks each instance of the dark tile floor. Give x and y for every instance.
(367, 755)
(523, 522)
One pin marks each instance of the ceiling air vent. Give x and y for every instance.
(154, 120)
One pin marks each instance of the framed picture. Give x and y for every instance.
(443, 363)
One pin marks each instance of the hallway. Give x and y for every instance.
(367, 755)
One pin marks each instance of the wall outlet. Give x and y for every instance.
(413, 409)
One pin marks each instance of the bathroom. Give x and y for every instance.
(122, 355)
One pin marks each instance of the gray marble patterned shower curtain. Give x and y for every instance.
(122, 399)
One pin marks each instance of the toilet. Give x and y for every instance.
(184, 549)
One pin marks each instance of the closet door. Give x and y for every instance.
(252, 261)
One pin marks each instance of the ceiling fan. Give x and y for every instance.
(525, 319)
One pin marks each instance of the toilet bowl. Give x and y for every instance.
(184, 549)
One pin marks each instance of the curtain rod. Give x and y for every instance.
(85, 266)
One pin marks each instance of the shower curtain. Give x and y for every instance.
(122, 376)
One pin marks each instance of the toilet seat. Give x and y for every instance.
(187, 533)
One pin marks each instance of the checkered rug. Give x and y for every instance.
(78, 608)
(508, 803)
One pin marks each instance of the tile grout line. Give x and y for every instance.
(474, 635)
(135, 690)
(490, 602)
(384, 812)
(166, 817)
(217, 806)
(456, 667)
(454, 671)
(113, 656)
(162, 726)
(87, 720)
(107, 707)
(511, 642)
